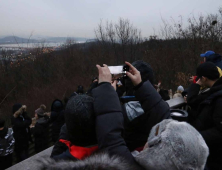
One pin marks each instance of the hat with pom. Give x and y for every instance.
(41, 110)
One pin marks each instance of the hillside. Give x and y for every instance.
(14, 40)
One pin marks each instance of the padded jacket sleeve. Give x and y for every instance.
(152, 103)
(213, 136)
(109, 122)
(192, 96)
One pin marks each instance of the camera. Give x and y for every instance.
(118, 71)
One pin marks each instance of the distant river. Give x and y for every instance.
(35, 45)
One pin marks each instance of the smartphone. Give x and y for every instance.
(118, 71)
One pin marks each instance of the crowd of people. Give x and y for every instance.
(125, 123)
(26, 130)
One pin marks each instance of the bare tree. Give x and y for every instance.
(122, 37)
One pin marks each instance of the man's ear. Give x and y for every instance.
(204, 79)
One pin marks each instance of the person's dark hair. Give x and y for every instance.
(208, 70)
(80, 120)
(80, 89)
(57, 106)
(2, 123)
(164, 94)
(16, 107)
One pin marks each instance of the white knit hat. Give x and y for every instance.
(174, 145)
(180, 88)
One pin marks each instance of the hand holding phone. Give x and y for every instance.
(133, 74)
(104, 73)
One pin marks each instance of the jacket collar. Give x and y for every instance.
(78, 151)
(215, 91)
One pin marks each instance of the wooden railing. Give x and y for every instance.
(32, 164)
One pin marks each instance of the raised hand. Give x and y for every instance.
(104, 74)
(133, 74)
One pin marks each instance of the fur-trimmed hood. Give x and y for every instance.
(174, 145)
(98, 161)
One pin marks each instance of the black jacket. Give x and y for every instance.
(155, 110)
(21, 131)
(57, 119)
(92, 86)
(109, 123)
(194, 97)
(209, 123)
(59, 149)
(41, 134)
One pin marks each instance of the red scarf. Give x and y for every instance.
(78, 151)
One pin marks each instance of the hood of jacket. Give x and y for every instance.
(214, 58)
(133, 109)
(57, 105)
(174, 145)
(99, 161)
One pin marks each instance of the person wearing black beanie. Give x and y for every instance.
(77, 137)
(139, 116)
(208, 119)
(57, 118)
(20, 123)
(7, 142)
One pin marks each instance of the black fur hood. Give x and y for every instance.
(98, 161)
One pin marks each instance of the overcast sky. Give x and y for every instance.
(79, 18)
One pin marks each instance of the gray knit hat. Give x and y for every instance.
(174, 145)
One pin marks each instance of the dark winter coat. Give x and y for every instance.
(7, 142)
(62, 151)
(59, 147)
(109, 123)
(21, 130)
(154, 110)
(57, 119)
(209, 123)
(92, 86)
(41, 134)
(99, 161)
(194, 97)
(216, 59)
